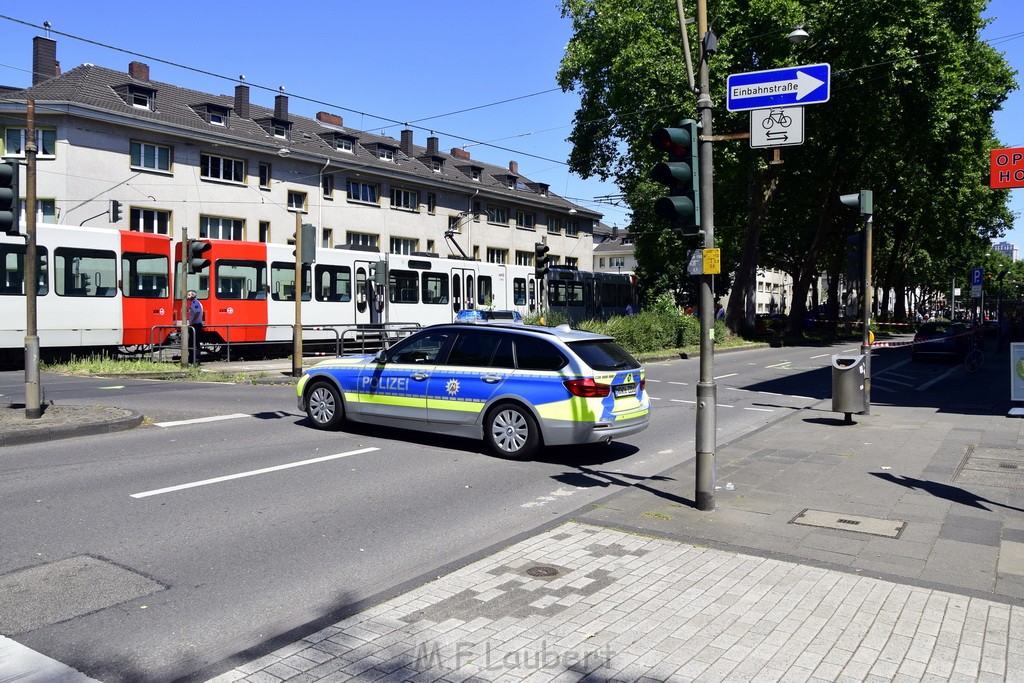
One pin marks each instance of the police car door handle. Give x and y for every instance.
(491, 379)
(419, 376)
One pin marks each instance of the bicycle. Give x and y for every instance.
(974, 359)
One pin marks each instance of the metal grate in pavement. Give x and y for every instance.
(992, 467)
(890, 528)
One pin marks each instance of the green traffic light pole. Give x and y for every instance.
(706, 389)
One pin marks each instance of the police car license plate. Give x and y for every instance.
(624, 390)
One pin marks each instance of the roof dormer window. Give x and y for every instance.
(385, 154)
(137, 96)
(142, 100)
(476, 174)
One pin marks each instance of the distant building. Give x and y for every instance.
(1008, 249)
(613, 250)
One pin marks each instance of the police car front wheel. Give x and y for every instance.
(323, 406)
(511, 431)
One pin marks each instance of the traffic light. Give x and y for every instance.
(308, 243)
(194, 261)
(862, 201)
(540, 255)
(680, 174)
(115, 211)
(10, 202)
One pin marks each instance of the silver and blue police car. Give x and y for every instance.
(515, 386)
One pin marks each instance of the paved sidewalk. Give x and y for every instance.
(890, 549)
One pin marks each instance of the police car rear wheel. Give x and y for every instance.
(511, 431)
(323, 406)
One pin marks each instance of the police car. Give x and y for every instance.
(515, 386)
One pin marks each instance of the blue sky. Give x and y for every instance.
(383, 63)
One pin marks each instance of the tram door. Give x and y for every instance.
(463, 290)
(367, 304)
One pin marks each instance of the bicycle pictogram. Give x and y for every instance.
(777, 116)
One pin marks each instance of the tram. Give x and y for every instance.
(101, 289)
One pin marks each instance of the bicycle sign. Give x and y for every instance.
(777, 127)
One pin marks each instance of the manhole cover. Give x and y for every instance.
(992, 467)
(890, 528)
(542, 571)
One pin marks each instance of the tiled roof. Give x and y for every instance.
(100, 88)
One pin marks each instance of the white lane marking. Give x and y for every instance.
(763, 410)
(653, 398)
(653, 380)
(680, 400)
(683, 384)
(821, 355)
(876, 380)
(198, 420)
(731, 374)
(252, 473)
(778, 365)
(940, 377)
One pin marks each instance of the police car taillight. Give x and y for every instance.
(587, 388)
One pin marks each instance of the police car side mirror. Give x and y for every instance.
(381, 357)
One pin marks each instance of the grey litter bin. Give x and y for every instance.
(848, 385)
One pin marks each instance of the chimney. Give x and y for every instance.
(138, 71)
(242, 101)
(406, 145)
(432, 146)
(281, 107)
(460, 153)
(44, 59)
(329, 119)
(513, 167)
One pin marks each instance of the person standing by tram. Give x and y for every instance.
(196, 320)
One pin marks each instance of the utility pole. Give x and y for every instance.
(707, 392)
(33, 394)
(183, 293)
(297, 328)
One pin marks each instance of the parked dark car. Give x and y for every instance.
(945, 339)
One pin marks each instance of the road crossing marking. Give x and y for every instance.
(252, 473)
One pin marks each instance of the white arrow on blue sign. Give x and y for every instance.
(787, 87)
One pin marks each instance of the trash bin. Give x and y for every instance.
(848, 385)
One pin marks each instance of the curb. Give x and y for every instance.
(73, 421)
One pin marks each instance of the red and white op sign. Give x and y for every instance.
(1007, 169)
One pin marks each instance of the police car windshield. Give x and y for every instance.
(604, 354)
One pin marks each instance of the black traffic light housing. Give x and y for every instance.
(115, 211)
(194, 260)
(680, 175)
(10, 201)
(541, 265)
(308, 243)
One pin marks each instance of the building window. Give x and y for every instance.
(149, 220)
(497, 255)
(281, 131)
(327, 238)
(344, 145)
(385, 154)
(46, 211)
(362, 192)
(436, 165)
(154, 157)
(476, 211)
(497, 214)
(554, 225)
(430, 246)
(617, 262)
(327, 185)
(264, 231)
(14, 142)
(361, 239)
(401, 245)
(404, 199)
(221, 168)
(217, 228)
(572, 261)
(524, 258)
(600, 263)
(264, 175)
(476, 174)
(524, 219)
(217, 119)
(141, 99)
(572, 228)
(431, 202)
(296, 200)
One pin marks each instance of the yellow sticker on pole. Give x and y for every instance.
(712, 261)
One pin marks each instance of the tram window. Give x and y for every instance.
(435, 288)
(361, 289)
(519, 291)
(85, 272)
(12, 270)
(485, 293)
(625, 295)
(240, 280)
(575, 292)
(403, 287)
(469, 291)
(556, 294)
(144, 275)
(333, 283)
(609, 294)
(282, 282)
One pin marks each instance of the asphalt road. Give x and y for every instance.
(228, 522)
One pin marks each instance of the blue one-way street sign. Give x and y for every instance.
(787, 87)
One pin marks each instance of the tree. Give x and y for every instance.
(910, 117)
